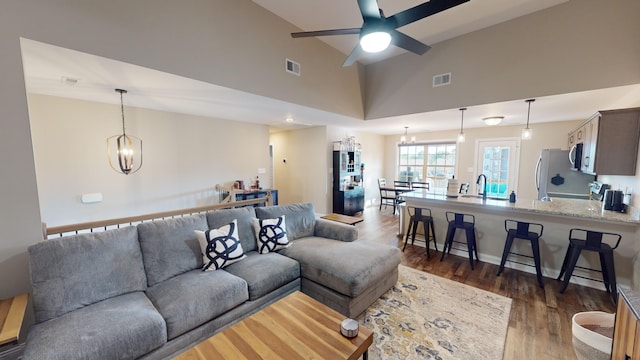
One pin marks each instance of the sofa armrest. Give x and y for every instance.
(335, 230)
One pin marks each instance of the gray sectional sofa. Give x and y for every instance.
(140, 291)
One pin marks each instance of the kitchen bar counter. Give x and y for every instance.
(583, 209)
(558, 216)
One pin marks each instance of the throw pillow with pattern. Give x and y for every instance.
(271, 234)
(220, 247)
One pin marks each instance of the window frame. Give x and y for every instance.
(449, 169)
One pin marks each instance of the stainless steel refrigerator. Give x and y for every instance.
(554, 177)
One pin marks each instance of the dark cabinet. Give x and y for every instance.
(348, 194)
(609, 142)
(348, 202)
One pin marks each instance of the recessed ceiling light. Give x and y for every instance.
(289, 120)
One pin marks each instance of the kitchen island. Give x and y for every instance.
(558, 217)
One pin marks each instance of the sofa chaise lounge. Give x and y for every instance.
(140, 291)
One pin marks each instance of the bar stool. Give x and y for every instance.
(417, 215)
(465, 222)
(600, 242)
(525, 231)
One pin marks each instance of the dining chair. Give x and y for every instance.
(419, 185)
(387, 197)
(398, 194)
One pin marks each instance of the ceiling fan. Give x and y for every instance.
(378, 31)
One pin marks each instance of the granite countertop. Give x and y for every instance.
(633, 298)
(585, 209)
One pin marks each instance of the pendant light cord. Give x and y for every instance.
(529, 110)
(462, 119)
(121, 91)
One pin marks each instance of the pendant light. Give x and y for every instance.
(461, 135)
(124, 151)
(403, 139)
(527, 133)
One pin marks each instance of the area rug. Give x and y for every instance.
(428, 317)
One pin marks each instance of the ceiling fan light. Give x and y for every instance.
(493, 120)
(375, 42)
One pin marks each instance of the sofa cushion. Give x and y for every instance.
(301, 218)
(75, 271)
(271, 234)
(122, 327)
(170, 247)
(265, 272)
(220, 247)
(346, 267)
(243, 215)
(191, 299)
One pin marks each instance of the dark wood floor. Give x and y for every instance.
(540, 322)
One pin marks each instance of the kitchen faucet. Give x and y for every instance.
(484, 192)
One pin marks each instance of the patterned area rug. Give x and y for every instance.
(428, 317)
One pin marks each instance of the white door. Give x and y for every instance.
(497, 159)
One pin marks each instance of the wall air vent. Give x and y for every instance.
(442, 79)
(292, 67)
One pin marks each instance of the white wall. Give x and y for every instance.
(303, 177)
(184, 157)
(373, 156)
(632, 184)
(546, 136)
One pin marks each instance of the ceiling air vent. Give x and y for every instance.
(292, 67)
(442, 79)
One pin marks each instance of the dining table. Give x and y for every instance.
(398, 190)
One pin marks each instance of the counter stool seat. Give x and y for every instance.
(417, 215)
(601, 242)
(464, 222)
(524, 231)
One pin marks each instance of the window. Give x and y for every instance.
(436, 167)
(497, 160)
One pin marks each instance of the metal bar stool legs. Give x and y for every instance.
(601, 242)
(465, 222)
(418, 215)
(525, 231)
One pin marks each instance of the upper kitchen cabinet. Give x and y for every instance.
(608, 142)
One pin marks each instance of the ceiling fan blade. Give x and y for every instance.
(353, 56)
(422, 11)
(369, 9)
(350, 31)
(408, 43)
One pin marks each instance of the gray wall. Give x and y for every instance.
(575, 46)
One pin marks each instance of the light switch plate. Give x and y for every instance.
(91, 198)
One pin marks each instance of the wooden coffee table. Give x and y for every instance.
(294, 327)
(345, 219)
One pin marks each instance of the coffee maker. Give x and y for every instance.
(614, 200)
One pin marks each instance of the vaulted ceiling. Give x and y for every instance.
(56, 71)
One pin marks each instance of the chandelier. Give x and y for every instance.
(124, 151)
